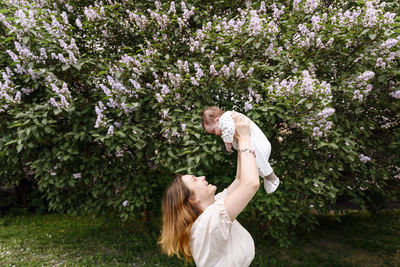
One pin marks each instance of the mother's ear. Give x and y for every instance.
(194, 200)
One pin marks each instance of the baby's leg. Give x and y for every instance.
(262, 147)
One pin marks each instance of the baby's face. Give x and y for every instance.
(213, 129)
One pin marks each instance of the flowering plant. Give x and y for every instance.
(102, 101)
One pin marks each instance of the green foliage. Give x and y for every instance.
(102, 102)
(355, 239)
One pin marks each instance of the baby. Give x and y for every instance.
(218, 122)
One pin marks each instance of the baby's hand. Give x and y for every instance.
(228, 147)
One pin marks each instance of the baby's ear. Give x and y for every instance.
(217, 119)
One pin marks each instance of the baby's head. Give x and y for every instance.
(209, 120)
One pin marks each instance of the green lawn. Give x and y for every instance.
(57, 240)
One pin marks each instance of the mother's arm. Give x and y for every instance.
(247, 182)
(236, 182)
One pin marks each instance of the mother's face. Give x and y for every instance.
(202, 190)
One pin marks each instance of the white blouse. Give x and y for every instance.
(216, 241)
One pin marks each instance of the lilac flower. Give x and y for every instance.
(239, 73)
(255, 24)
(380, 63)
(370, 18)
(165, 89)
(225, 71)
(395, 94)
(77, 175)
(367, 75)
(135, 84)
(183, 126)
(319, 44)
(368, 89)
(17, 97)
(316, 20)
(64, 102)
(249, 72)
(363, 158)
(213, 71)
(310, 6)
(194, 81)
(326, 112)
(125, 203)
(27, 91)
(247, 106)
(389, 43)
(43, 54)
(69, 8)
(388, 18)
(159, 98)
(317, 132)
(101, 119)
(91, 14)
(110, 130)
(53, 102)
(13, 56)
(172, 8)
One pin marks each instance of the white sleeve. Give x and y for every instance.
(210, 235)
(227, 126)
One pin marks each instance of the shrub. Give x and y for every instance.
(102, 100)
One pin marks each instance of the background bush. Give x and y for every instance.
(100, 101)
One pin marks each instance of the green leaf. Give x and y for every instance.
(372, 36)
(25, 39)
(19, 147)
(249, 40)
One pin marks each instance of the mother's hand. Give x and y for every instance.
(242, 126)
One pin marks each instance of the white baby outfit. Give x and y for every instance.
(259, 143)
(216, 241)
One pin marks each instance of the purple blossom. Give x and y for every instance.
(249, 72)
(110, 130)
(159, 98)
(395, 94)
(370, 18)
(239, 73)
(194, 81)
(363, 158)
(77, 175)
(213, 71)
(183, 127)
(125, 203)
(13, 56)
(165, 89)
(326, 112)
(247, 106)
(357, 95)
(135, 84)
(317, 132)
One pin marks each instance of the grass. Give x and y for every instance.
(361, 239)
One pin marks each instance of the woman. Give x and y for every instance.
(202, 226)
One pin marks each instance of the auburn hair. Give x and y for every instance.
(178, 216)
(209, 115)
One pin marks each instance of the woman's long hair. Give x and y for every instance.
(178, 216)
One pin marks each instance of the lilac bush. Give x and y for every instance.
(101, 100)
